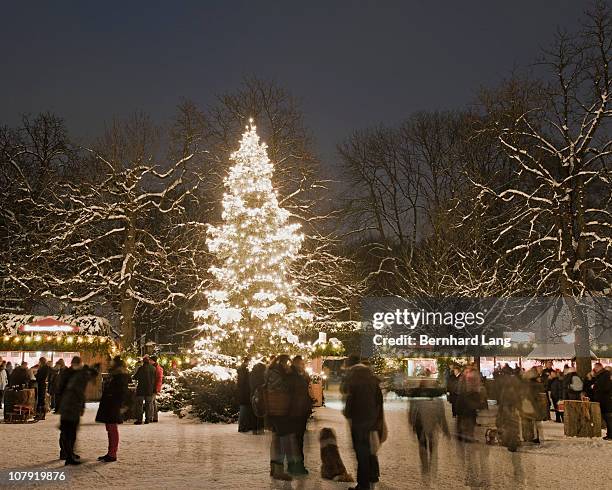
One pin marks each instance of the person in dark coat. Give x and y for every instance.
(508, 412)
(114, 396)
(300, 409)
(427, 418)
(246, 416)
(42, 377)
(72, 407)
(555, 385)
(468, 402)
(145, 377)
(452, 386)
(364, 409)
(278, 392)
(54, 380)
(601, 389)
(257, 377)
(20, 376)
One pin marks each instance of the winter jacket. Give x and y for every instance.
(301, 402)
(568, 392)
(73, 396)
(278, 390)
(114, 396)
(159, 377)
(601, 387)
(42, 376)
(257, 376)
(556, 389)
(427, 416)
(145, 376)
(363, 403)
(244, 387)
(19, 376)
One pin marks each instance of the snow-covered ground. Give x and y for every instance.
(186, 454)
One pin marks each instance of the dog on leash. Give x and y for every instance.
(332, 467)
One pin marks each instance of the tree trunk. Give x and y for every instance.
(582, 419)
(128, 305)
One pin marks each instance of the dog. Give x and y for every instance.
(332, 467)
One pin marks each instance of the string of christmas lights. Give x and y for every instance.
(257, 305)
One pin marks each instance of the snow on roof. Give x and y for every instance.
(87, 324)
(555, 352)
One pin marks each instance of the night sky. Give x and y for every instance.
(352, 64)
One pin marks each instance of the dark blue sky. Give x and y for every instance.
(353, 64)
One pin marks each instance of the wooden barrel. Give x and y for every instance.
(582, 419)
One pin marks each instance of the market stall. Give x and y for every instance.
(27, 338)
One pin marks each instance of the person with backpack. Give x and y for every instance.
(110, 411)
(278, 397)
(573, 385)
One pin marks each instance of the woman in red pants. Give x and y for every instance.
(114, 395)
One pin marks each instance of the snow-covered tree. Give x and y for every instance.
(557, 204)
(257, 304)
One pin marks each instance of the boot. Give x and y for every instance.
(277, 471)
(297, 468)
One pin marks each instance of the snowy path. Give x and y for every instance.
(185, 454)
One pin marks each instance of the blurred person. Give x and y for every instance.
(531, 409)
(300, 409)
(145, 377)
(426, 418)
(110, 411)
(72, 407)
(283, 444)
(363, 408)
(508, 413)
(468, 402)
(9, 368)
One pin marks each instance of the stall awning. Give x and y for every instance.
(48, 325)
(551, 352)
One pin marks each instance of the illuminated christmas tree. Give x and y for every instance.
(256, 305)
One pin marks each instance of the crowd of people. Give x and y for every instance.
(277, 396)
(525, 398)
(62, 389)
